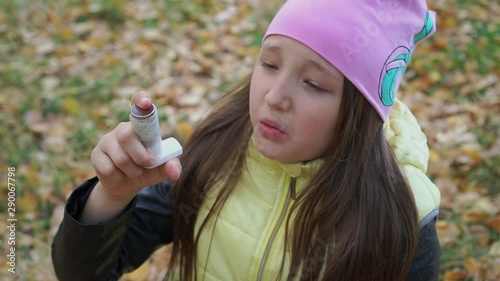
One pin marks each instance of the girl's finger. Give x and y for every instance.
(105, 169)
(141, 99)
(170, 170)
(122, 160)
(129, 142)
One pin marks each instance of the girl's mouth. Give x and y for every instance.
(271, 130)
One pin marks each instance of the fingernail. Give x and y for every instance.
(150, 163)
(144, 100)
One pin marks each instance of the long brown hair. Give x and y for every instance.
(355, 220)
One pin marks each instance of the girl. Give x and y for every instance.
(301, 172)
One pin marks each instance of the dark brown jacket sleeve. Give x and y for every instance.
(426, 263)
(106, 251)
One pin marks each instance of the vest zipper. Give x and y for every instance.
(290, 195)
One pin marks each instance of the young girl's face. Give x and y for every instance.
(295, 97)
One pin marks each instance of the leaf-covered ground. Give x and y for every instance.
(68, 69)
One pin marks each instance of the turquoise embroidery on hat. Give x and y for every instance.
(426, 30)
(396, 63)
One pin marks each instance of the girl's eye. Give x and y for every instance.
(268, 65)
(316, 87)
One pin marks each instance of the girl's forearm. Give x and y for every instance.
(100, 208)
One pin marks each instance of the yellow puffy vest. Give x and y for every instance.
(247, 241)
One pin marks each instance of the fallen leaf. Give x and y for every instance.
(475, 216)
(455, 275)
(447, 233)
(494, 223)
(472, 265)
(71, 105)
(480, 235)
(495, 249)
(140, 274)
(185, 130)
(28, 202)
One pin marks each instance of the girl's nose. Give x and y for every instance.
(279, 95)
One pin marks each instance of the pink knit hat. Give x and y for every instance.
(369, 41)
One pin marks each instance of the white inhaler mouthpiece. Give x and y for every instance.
(146, 125)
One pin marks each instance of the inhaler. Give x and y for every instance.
(146, 125)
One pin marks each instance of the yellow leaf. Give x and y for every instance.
(476, 157)
(448, 22)
(71, 105)
(434, 155)
(66, 33)
(32, 174)
(206, 35)
(441, 44)
(111, 60)
(435, 76)
(455, 275)
(471, 265)
(28, 202)
(185, 129)
(139, 274)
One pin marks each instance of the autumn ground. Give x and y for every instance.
(68, 69)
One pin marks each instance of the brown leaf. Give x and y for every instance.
(447, 233)
(472, 265)
(455, 275)
(475, 216)
(448, 189)
(28, 202)
(480, 235)
(140, 274)
(35, 123)
(494, 223)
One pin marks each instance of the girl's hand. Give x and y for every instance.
(119, 159)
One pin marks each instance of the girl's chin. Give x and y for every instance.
(271, 150)
(280, 151)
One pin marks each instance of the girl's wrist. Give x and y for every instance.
(108, 197)
(102, 207)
